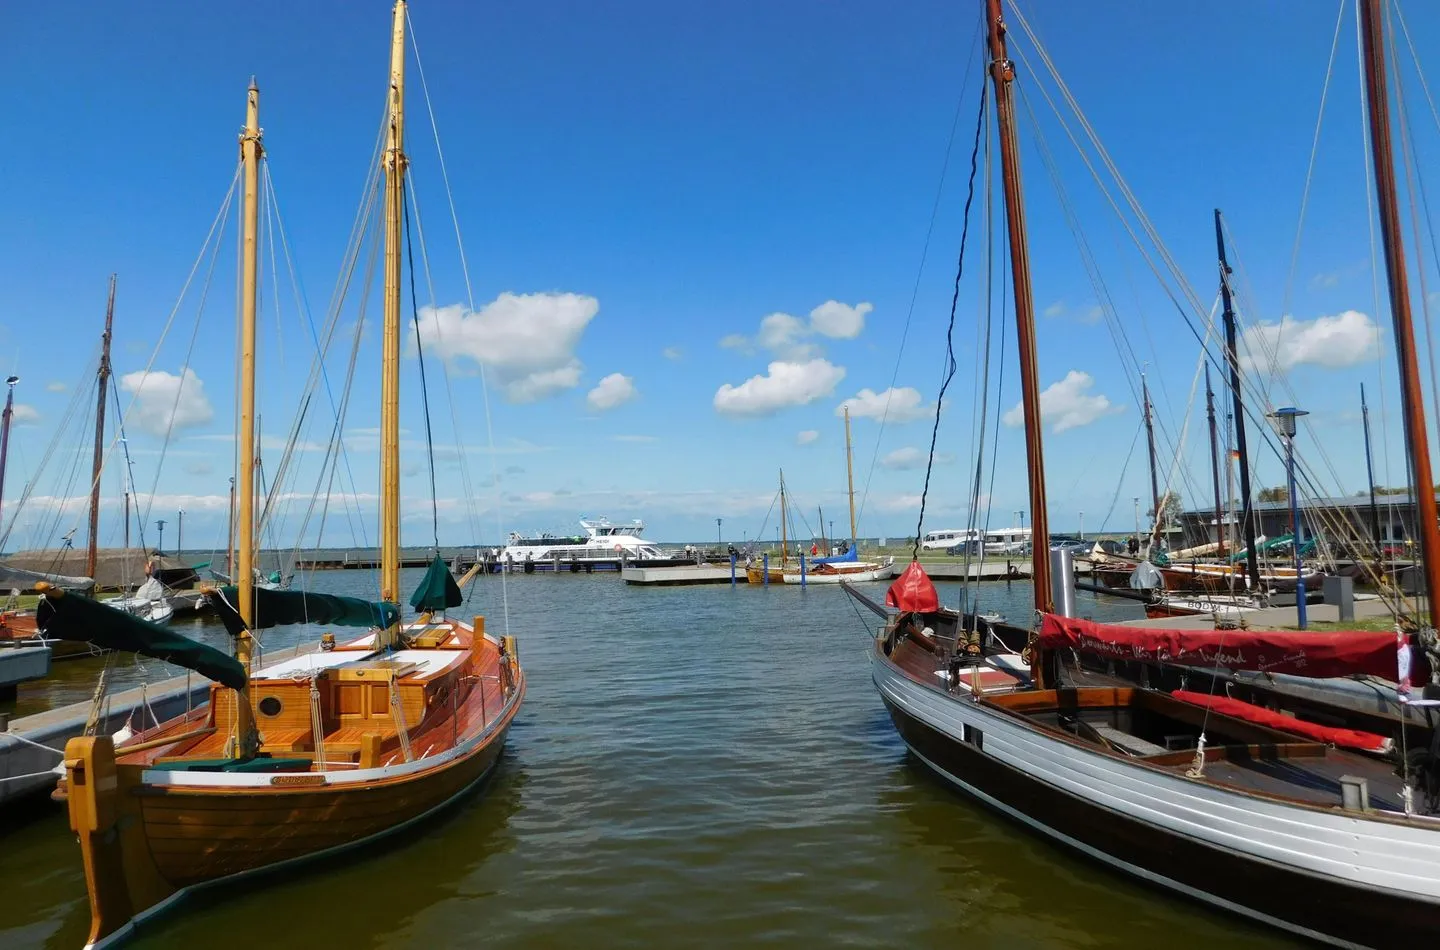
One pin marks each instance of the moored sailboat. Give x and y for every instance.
(1316, 827)
(311, 755)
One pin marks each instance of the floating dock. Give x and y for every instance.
(18, 664)
(682, 574)
(32, 745)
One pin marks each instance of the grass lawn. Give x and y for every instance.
(1367, 623)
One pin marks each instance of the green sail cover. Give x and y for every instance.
(73, 617)
(276, 608)
(437, 589)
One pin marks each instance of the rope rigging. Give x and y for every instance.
(424, 386)
(950, 330)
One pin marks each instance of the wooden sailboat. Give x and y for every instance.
(1285, 820)
(846, 566)
(20, 625)
(755, 571)
(322, 752)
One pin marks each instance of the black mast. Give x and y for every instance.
(1214, 462)
(1370, 472)
(1150, 437)
(1246, 515)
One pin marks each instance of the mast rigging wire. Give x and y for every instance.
(950, 331)
(424, 386)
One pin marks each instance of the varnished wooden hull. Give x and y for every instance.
(147, 838)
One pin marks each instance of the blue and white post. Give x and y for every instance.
(802, 568)
(1285, 423)
(732, 570)
(765, 562)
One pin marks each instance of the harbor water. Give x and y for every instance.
(693, 767)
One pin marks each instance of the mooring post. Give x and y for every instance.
(802, 568)
(765, 566)
(732, 570)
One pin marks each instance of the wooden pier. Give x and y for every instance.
(681, 575)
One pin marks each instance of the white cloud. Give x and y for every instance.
(910, 457)
(784, 384)
(901, 404)
(23, 414)
(786, 336)
(532, 387)
(896, 503)
(901, 459)
(164, 402)
(806, 437)
(527, 340)
(614, 390)
(840, 321)
(1333, 342)
(673, 353)
(57, 387)
(1058, 309)
(1067, 404)
(783, 335)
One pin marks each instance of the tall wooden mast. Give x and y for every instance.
(395, 163)
(850, 475)
(1383, 164)
(97, 462)
(244, 739)
(1002, 73)
(784, 530)
(5, 417)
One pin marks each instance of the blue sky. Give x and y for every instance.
(639, 187)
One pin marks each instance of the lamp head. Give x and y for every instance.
(1285, 420)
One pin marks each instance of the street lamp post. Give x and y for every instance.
(160, 543)
(1137, 523)
(1285, 420)
(1082, 526)
(179, 530)
(718, 538)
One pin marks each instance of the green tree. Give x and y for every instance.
(1278, 493)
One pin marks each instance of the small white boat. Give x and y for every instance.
(148, 603)
(601, 542)
(854, 572)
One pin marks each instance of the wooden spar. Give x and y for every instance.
(850, 475)
(1247, 519)
(1370, 471)
(1383, 165)
(97, 462)
(820, 513)
(230, 535)
(1002, 72)
(395, 163)
(244, 737)
(5, 437)
(784, 541)
(1150, 439)
(1214, 461)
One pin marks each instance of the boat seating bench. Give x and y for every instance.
(1124, 741)
(286, 740)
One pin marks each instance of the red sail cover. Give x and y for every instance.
(1349, 738)
(914, 591)
(1268, 651)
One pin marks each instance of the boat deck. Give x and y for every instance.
(1151, 727)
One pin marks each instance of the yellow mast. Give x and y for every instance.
(850, 476)
(244, 740)
(395, 163)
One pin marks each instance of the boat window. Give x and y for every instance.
(270, 706)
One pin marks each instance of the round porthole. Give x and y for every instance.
(270, 706)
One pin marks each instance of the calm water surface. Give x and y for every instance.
(693, 767)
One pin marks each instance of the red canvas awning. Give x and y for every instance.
(913, 591)
(1267, 651)
(1347, 738)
